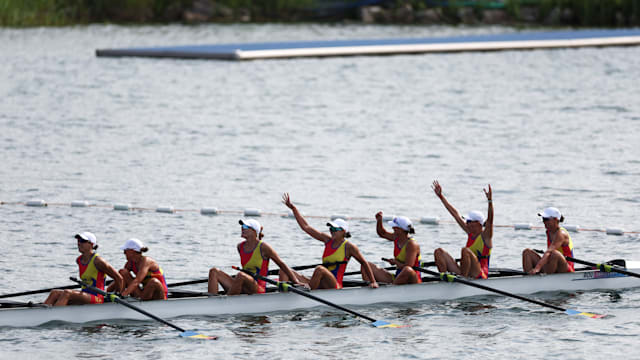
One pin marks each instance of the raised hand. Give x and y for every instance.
(286, 199)
(488, 193)
(379, 216)
(437, 188)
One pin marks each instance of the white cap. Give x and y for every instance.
(475, 216)
(87, 236)
(551, 212)
(133, 244)
(339, 223)
(401, 222)
(254, 224)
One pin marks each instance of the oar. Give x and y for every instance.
(39, 291)
(601, 267)
(284, 287)
(114, 298)
(423, 264)
(454, 278)
(305, 267)
(271, 272)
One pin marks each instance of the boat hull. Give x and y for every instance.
(359, 296)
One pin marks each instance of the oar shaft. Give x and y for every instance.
(32, 292)
(305, 267)
(39, 291)
(271, 272)
(454, 278)
(130, 306)
(601, 267)
(300, 292)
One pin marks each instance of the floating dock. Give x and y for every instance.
(280, 50)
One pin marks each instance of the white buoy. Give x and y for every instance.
(430, 220)
(209, 211)
(36, 203)
(522, 226)
(572, 228)
(122, 207)
(79, 203)
(165, 209)
(339, 216)
(614, 231)
(251, 212)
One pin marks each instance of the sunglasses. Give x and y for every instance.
(335, 229)
(472, 221)
(546, 219)
(81, 240)
(245, 227)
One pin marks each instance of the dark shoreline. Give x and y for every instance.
(574, 13)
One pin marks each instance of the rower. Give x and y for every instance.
(406, 252)
(254, 257)
(336, 249)
(474, 260)
(148, 281)
(559, 245)
(93, 270)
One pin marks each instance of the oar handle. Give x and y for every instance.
(454, 278)
(115, 298)
(286, 287)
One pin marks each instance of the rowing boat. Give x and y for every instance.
(429, 290)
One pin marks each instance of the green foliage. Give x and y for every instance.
(585, 12)
(66, 12)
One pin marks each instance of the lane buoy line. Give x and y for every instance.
(167, 209)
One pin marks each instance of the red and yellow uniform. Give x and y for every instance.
(254, 263)
(400, 254)
(567, 250)
(332, 255)
(158, 274)
(89, 274)
(482, 252)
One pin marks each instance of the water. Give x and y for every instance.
(344, 136)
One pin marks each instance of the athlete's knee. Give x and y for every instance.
(319, 270)
(438, 252)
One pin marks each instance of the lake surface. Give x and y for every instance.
(346, 136)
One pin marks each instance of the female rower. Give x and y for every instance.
(92, 271)
(336, 249)
(254, 257)
(146, 272)
(559, 245)
(406, 252)
(474, 261)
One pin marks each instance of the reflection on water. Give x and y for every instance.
(250, 327)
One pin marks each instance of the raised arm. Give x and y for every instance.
(487, 234)
(382, 232)
(352, 250)
(302, 222)
(106, 268)
(452, 210)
